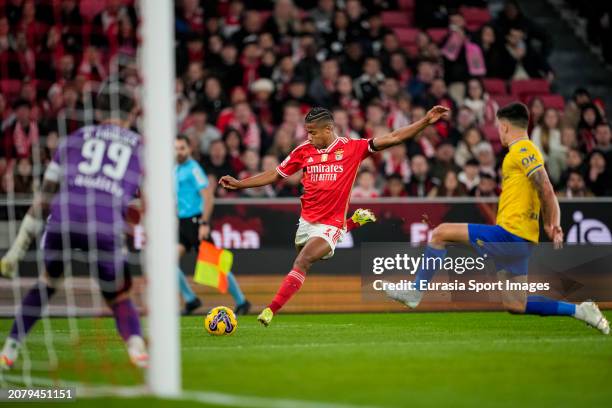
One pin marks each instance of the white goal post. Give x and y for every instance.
(157, 67)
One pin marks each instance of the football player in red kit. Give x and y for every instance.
(330, 163)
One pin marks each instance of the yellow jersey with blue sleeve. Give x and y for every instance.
(519, 204)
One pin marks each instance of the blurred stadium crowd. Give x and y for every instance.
(248, 71)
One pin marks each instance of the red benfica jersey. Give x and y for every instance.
(328, 177)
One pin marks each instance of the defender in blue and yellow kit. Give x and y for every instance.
(526, 193)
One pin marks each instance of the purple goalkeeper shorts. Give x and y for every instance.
(102, 252)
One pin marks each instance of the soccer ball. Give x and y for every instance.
(221, 321)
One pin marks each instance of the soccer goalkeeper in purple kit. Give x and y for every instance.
(85, 193)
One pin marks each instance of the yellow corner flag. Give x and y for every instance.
(212, 266)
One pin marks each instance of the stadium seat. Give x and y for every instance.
(10, 88)
(495, 86)
(393, 19)
(437, 35)
(503, 100)
(554, 101)
(524, 88)
(406, 4)
(475, 17)
(406, 36)
(90, 8)
(473, 27)
(492, 136)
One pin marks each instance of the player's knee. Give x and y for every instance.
(438, 235)
(114, 292)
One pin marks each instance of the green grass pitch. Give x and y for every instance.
(384, 360)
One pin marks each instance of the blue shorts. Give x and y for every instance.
(509, 252)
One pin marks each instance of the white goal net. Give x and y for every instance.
(85, 143)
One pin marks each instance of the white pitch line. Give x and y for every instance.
(229, 400)
(401, 343)
(232, 400)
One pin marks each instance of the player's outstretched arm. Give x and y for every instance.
(258, 180)
(400, 135)
(551, 213)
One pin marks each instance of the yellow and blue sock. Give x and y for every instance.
(234, 289)
(543, 306)
(427, 269)
(186, 291)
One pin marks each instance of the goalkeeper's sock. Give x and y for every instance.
(291, 284)
(126, 319)
(186, 291)
(428, 266)
(234, 289)
(31, 309)
(543, 306)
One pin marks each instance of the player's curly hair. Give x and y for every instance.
(319, 114)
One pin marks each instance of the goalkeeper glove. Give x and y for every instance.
(29, 229)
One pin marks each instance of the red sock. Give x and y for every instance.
(291, 284)
(351, 225)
